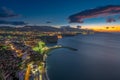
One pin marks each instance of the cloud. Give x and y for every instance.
(6, 13)
(107, 27)
(96, 12)
(119, 17)
(48, 22)
(109, 20)
(12, 22)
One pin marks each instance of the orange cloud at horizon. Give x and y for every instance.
(115, 28)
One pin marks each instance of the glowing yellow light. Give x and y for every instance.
(17, 51)
(27, 74)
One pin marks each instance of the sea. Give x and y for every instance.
(97, 58)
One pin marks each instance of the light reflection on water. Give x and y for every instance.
(97, 58)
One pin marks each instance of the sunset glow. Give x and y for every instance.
(106, 29)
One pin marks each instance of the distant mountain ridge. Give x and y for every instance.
(38, 28)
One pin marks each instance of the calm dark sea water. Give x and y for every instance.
(97, 58)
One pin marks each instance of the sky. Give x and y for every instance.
(55, 12)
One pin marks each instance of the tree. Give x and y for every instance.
(40, 47)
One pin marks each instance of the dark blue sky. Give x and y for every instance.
(56, 11)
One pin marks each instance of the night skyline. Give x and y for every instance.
(59, 39)
(40, 12)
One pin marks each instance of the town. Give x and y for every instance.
(24, 51)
